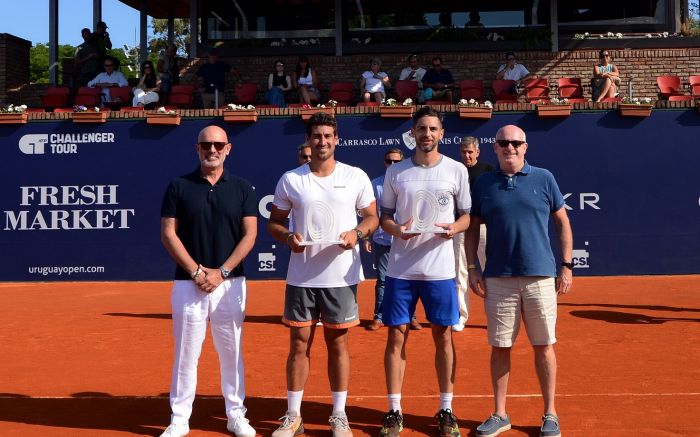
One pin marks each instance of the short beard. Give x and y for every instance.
(427, 149)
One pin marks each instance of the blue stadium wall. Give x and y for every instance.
(631, 187)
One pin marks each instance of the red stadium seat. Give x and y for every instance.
(121, 95)
(181, 96)
(472, 89)
(694, 82)
(341, 92)
(503, 90)
(87, 96)
(570, 88)
(55, 97)
(536, 90)
(680, 98)
(406, 89)
(245, 94)
(668, 86)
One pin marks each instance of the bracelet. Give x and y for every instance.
(197, 272)
(289, 234)
(471, 266)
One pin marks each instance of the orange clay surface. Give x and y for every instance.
(93, 359)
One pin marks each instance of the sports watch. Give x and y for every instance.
(569, 265)
(360, 234)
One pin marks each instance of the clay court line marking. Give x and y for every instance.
(531, 395)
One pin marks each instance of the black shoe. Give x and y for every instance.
(447, 423)
(392, 424)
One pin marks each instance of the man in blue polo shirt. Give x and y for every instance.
(515, 202)
(438, 82)
(208, 226)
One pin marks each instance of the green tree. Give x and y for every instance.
(160, 36)
(39, 61)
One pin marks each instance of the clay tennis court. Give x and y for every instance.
(93, 359)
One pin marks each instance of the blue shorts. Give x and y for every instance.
(439, 299)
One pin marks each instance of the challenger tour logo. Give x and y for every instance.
(39, 144)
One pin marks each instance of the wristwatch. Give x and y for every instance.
(224, 273)
(569, 265)
(360, 234)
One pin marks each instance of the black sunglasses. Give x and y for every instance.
(506, 143)
(305, 156)
(391, 161)
(206, 145)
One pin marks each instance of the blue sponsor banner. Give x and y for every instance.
(82, 202)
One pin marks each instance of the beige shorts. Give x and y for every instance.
(530, 298)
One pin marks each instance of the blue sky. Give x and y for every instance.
(30, 20)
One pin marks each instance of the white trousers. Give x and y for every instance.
(462, 272)
(192, 309)
(143, 97)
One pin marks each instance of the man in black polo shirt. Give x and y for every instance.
(469, 150)
(208, 226)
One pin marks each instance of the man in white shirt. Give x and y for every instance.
(419, 201)
(324, 268)
(415, 73)
(511, 70)
(108, 79)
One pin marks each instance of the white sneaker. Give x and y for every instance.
(175, 430)
(458, 327)
(239, 425)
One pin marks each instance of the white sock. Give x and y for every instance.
(339, 398)
(394, 401)
(445, 401)
(294, 401)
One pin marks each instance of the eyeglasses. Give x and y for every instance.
(506, 143)
(206, 145)
(391, 161)
(305, 156)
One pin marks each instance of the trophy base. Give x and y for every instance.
(427, 231)
(320, 242)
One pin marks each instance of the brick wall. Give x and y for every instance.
(14, 66)
(640, 66)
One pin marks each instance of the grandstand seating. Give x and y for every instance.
(406, 89)
(472, 89)
(245, 94)
(536, 90)
(503, 91)
(669, 85)
(55, 97)
(570, 88)
(341, 92)
(87, 96)
(694, 83)
(181, 96)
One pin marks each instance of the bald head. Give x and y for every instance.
(212, 133)
(510, 132)
(510, 148)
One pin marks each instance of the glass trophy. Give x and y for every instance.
(425, 213)
(320, 222)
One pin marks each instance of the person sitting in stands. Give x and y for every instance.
(278, 82)
(168, 69)
(147, 90)
(415, 73)
(512, 70)
(438, 82)
(373, 82)
(108, 79)
(306, 82)
(606, 78)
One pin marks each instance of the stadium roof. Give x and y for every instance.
(163, 8)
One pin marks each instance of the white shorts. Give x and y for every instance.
(530, 298)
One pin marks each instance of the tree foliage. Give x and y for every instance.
(39, 61)
(160, 35)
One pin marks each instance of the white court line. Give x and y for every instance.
(527, 395)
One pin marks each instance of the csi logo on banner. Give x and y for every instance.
(266, 262)
(580, 258)
(39, 144)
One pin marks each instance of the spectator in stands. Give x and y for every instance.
(101, 38)
(168, 69)
(415, 73)
(278, 82)
(213, 78)
(438, 82)
(149, 85)
(108, 79)
(606, 78)
(306, 81)
(373, 82)
(512, 70)
(87, 59)
(474, 20)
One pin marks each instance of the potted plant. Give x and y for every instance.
(635, 107)
(554, 108)
(391, 109)
(240, 114)
(473, 110)
(13, 114)
(308, 111)
(162, 116)
(81, 114)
